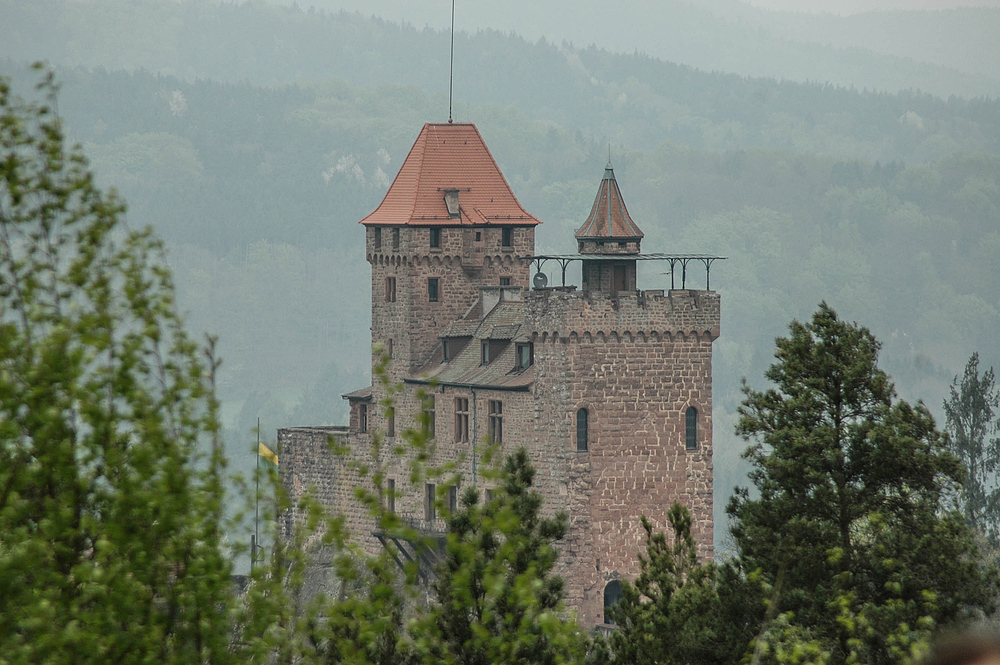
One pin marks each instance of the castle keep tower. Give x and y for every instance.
(608, 387)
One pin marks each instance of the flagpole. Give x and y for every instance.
(256, 505)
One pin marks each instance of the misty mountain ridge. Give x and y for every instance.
(267, 44)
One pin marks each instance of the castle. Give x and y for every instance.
(609, 388)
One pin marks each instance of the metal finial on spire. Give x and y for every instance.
(451, 73)
(609, 153)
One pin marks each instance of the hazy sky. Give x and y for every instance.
(857, 6)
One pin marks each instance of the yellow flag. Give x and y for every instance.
(267, 453)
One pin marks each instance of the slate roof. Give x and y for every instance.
(364, 394)
(504, 323)
(609, 218)
(449, 156)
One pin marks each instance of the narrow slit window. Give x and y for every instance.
(395, 239)
(582, 443)
(377, 240)
(390, 289)
(390, 495)
(390, 424)
(430, 511)
(452, 499)
(362, 417)
(691, 428)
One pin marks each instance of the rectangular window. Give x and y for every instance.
(430, 513)
(525, 355)
(390, 422)
(507, 236)
(581, 430)
(362, 417)
(390, 289)
(378, 239)
(485, 353)
(505, 281)
(390, 492)
(429, 416)
(395, 238)
(388, 347)
(490, 495)
(452, 499)
(444, 351)
(496, 421)
(432, 289)
(436, 238)
(479, 236)
(461, 419)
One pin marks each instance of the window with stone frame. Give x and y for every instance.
(430, 497)
(691, 428)
(433, 284)
(507, 237)
(496, 421)
(429, 416)
(388, 347)
(390, 422)
(390, 495)
(377, 241)
(462, 419)
(505, 281)
(390, 289)
(435, 238)
(582, 430)
(362, 417)
(395, 239)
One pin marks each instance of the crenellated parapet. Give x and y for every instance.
(638, 315)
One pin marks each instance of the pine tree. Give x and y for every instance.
(970, 413)
(496, 598)
(110, 459)
(850, 529)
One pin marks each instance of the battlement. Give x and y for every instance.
(653, 314)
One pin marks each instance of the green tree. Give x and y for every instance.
(677, 610)
(110, 459)
(496, 597)
(850, 527)
(970, 413)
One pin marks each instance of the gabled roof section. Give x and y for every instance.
(609, 217)
(449, 156)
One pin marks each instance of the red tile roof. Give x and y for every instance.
(449, 156)
(609, 217)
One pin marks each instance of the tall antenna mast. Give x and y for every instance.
(451, 73)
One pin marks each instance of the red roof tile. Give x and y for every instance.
(449, 156)
(609, 217)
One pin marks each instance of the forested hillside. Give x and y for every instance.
(887, 206)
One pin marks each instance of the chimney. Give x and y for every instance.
(451, 200)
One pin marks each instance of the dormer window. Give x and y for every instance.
(445, 356)
(436, 238)
(485, 359)
(525, 355)
(451, 202)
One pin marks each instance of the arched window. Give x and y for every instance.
(691, 428)
(581, 430)
(612, 596)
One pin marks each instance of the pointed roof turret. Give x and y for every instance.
(609, 218)
(449, 178)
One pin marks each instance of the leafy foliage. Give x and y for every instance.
(109, 513)
(851, 526)
(971, 412)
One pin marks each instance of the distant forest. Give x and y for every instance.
(887, 206)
